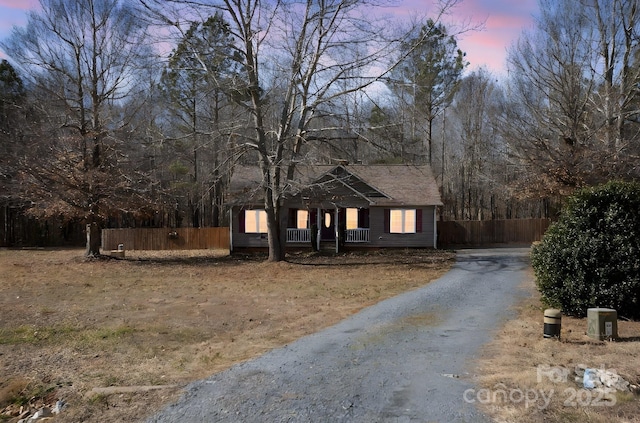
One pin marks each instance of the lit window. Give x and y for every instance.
(327, 220)
(302, 219)
(352, 218)
(402, 221)
(255, 221)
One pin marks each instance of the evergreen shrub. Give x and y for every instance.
(590, 257)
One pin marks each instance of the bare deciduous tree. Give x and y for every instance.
(200, 71)
(616, 24)
(547, 121)
(13, 122)
(81, 57)
(316, 52)
(573, 85)
(474, 167)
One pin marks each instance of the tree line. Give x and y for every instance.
(136, 112)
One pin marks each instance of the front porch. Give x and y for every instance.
(297, 236)
(339, 226)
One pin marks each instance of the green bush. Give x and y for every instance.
(591, 256)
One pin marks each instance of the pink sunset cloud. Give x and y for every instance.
(13, 13)
(502, 22)
(19, 4)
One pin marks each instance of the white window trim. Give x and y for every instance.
(302, 223)
(357, 212)
(256, 213)
(403, 221)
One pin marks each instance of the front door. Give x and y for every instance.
(327, 229)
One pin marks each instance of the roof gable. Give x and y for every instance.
(408, 185)
(341, 175)
(380, 185)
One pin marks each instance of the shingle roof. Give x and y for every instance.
(396, 185)
(405, 184)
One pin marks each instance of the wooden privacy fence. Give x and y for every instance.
(450, 234)
(166, 238)
(488, 232)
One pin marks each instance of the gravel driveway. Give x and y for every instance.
(406, 359)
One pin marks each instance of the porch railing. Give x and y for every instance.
(304, 235)
(298, 235)
(357, 235)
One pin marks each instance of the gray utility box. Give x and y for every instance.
(602, 323)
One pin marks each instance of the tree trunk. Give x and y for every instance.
(276, 241)
(93, 240)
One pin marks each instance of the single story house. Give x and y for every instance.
(341, 206)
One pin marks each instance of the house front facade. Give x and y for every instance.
(341, 207)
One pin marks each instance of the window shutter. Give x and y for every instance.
(387, 221)
(241, 219)
(293, 217)
(363, 218)
(418, 220)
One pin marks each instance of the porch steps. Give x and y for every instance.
(328, 246)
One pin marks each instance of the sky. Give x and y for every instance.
(503, 21)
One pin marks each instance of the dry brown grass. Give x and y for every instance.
(68, 325)
(510, 364)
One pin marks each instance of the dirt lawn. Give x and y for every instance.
(68, 325)
(526, 378)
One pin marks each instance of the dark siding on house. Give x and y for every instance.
(245, 240)
(379, 237)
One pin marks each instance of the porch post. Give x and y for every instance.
(231, 230)
(336, 229)
(435, 228)
(318, 228)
